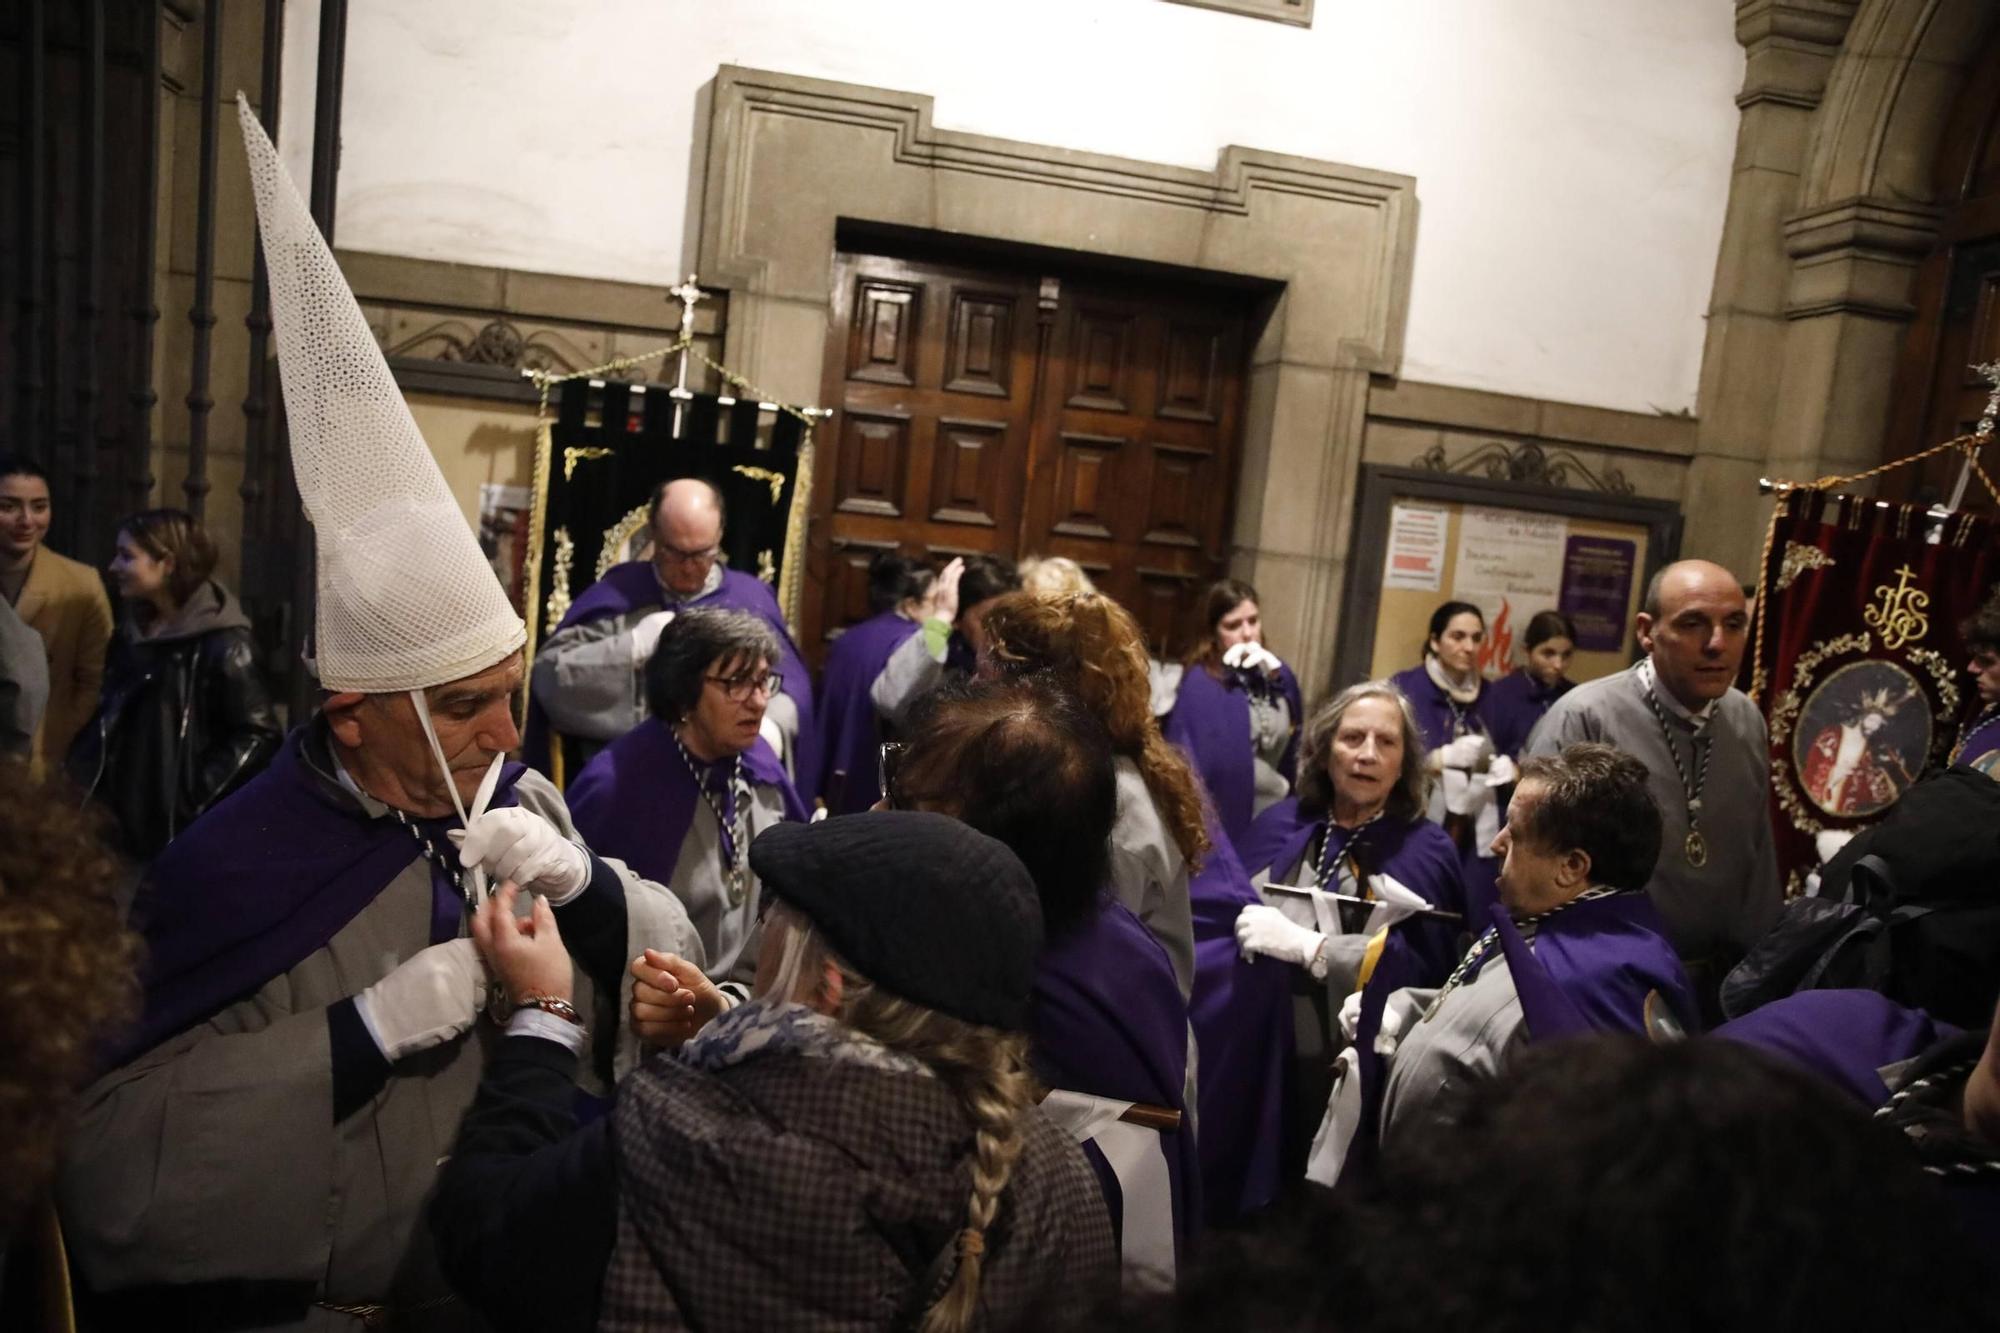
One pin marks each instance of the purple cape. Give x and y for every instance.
(1242, 1016)
(633, 585)
(1107, 1020)
(1843, 1036)
(1211, 722)
(264, 880)
(635, 800)
(1592, 966)
(1416, 852)
(850, 734)
(1513, 705)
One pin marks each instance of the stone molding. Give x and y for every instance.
(785, 160)
(1858, 255)
(1297, 13)
(1790, 47)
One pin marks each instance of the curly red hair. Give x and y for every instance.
(1094, 646)
(68, 973)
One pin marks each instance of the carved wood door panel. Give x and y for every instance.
(932, 370)
(1020, 411)
(1134, 467)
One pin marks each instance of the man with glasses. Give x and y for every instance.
(589, 680)
(681, 796)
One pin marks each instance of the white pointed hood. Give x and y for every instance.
(406, 599)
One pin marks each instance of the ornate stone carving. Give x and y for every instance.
(1530, 463)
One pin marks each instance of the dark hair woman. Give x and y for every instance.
(1451, 702)
(1516, 701)
(681, 796)
(1237, 711)
(184, 718)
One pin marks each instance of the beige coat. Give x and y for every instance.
(64, 602)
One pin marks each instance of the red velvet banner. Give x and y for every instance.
(1859, 666)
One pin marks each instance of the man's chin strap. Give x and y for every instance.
(476, 876)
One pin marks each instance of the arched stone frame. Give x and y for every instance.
(1831, 209)
(784, 159)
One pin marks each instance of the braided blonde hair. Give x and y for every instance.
(986, 1070)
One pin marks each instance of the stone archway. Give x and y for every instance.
(1831, 209)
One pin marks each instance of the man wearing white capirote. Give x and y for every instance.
(261, 1156)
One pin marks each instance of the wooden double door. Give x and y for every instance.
(1028, 411)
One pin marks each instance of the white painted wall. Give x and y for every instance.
(1572, 156)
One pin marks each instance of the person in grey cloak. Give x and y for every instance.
(952, 633)
(589, 676)
(260, 1154)
(1705, 747)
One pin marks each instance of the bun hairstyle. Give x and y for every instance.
(1447, 613)
(894, 578)
(1093, 646)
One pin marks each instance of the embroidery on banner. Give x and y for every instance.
(1899, 617)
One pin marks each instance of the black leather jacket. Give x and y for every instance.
(184, 720)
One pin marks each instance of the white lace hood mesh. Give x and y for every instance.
(406, 600)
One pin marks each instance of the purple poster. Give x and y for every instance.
(1596, 586)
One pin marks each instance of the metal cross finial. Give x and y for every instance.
(689, 296)
(1990, 372)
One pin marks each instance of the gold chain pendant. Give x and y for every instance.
(1695, 849)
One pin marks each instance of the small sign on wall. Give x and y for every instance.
(1510, 564)
(1596, 589)
(1415, 558)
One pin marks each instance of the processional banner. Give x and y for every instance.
(611, 443)
(1859, 665)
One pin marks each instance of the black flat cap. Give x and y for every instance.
(929, 908)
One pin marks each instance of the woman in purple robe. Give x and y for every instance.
(1357, 820)
(1453, 708)
(681, 796)
(1515, 702)
(1024, 762)
(850, 730)
(1237, 713)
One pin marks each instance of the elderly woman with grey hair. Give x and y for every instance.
(682, 795)
(1353, 841)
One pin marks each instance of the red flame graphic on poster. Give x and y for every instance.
(1496, 652)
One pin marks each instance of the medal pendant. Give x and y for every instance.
(1695, 849)
(732, 883)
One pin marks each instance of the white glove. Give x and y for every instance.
(646, 636)
(1251, 657)
(1465, 752)
(431, 997)
(1267, 931)
(1829, 843)
(1350, 1016)
(1502, 771)
(1399, 1013)
(512, 843)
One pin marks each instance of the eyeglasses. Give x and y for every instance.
(675, 555)
(738, 689)
(891, 760)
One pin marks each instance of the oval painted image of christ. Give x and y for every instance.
(1862, 739)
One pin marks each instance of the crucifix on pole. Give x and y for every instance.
(1983, 433)
(689, 295)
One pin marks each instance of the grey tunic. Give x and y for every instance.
(1344, 949)
(215, 1155)
(1270, 736)
(909, 674)
(729, 935)
(1476, 1031)
(586, 681)
(1148, 873)
(1714, 913)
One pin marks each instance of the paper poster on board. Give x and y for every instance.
(1510, 566)
(1415, 558)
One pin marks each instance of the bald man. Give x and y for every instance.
(589, 681)
(1706, 749)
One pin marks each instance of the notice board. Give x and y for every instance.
(1513, 549)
